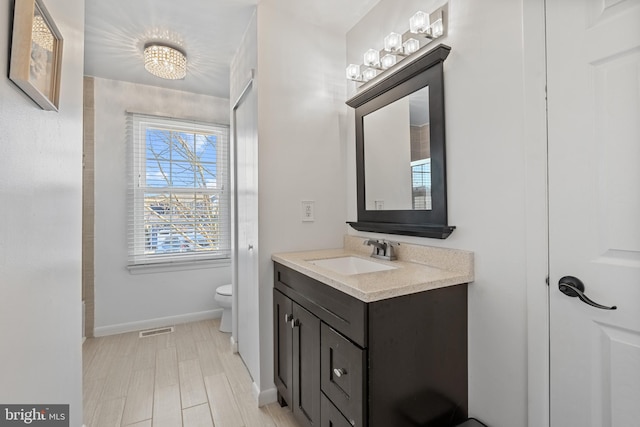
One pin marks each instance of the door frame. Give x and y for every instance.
(234, 210)
(537, 212)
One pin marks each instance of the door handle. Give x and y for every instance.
(573, 287)
(295, 323)
(288, 318)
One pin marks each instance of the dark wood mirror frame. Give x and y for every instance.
(427, 70)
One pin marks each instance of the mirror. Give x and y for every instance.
(400, 150)
(406, 181)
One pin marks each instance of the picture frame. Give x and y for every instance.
(36, 54)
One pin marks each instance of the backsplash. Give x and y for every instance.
(449, 259)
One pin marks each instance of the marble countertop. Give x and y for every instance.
(418, 268)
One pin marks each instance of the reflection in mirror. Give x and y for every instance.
(397, 161)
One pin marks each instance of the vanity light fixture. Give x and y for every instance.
(423, 29)
(165, 61)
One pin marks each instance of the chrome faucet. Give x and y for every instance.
(382, 249)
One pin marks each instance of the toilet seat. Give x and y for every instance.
(225, 290)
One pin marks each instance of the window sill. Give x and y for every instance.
(163, 267)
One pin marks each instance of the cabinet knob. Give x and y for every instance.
(288, 317)
(338, 372)
(295, 323)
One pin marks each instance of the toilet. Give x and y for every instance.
(224, 295)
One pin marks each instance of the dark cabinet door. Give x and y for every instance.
(331, 417)
(342, 375)
(306, 367)
(283, 345)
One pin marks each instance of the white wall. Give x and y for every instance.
(126, 301)
(488, 78)
(40, 231)
(301, 113)
(244, 61)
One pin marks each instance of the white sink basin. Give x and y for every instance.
(351, 265)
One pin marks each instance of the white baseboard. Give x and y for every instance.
(264, 397)
(121, 328)
(234, 345)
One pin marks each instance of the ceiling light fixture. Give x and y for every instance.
(165, 61)
(423, 29)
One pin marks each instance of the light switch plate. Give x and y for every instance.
(308, 211)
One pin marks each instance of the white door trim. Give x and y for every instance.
(536, 207)
(234, 213)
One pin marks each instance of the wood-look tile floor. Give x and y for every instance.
(187, 378)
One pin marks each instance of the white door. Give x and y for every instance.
(593, 66)
(246, 232)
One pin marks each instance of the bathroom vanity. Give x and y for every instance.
(380, 348)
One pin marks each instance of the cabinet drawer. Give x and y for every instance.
(339, 310)
(330, 416)
(342, 365)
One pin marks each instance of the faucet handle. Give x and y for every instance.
(379, 247)
(388, 250)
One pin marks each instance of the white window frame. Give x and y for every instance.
(137, 237)
(427, 201)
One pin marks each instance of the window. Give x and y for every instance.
(421, 184)
(179, 198)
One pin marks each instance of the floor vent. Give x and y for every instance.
(153, 332)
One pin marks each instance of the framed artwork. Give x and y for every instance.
(36, 53)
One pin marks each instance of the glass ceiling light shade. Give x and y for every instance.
(411, 46)
(353, 72)
(388, 61)
(419, 23)
(437, 28)
(164, 61)
(372, 58)
(393, 42)
(368, 74)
